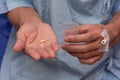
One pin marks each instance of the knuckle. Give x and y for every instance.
(74, 38)
(84, 56)
(85, 48)
(81, 56)
(87, 55)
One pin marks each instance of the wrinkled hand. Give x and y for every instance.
(89, 52)
(28, 39)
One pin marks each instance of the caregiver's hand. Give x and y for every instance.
(38, 40)
(89, 52)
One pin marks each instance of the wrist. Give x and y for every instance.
(22, 15)
(35, 20)
(113, 30)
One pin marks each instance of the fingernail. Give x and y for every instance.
(66, 38)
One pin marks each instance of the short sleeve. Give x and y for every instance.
(11, 4)
(3, 8)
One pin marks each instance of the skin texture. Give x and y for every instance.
(89, 53)
(90, 35)
(29, 37)
(31, 30)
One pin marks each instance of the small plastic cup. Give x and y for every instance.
(69, 28)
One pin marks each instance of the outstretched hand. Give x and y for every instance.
(38, 40)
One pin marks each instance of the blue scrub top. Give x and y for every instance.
(5, 28)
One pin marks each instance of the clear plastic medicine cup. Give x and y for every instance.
(70, 28)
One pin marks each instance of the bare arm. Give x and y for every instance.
(35, 37)
(21, 15)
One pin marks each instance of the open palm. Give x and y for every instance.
(38, 40)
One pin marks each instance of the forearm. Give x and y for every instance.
(21, 15)
(113, 26)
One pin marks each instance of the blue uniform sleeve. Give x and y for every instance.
(12, 4)
(3, 8)
(116, 7)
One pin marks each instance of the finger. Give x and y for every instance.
(81, 29)
(91, 60)
(20, 43)
(32, 53)
(86, 37)
(50, 51)
(82, 47)
(83, 37)
(55, 46)
(43, 53)
(87, 55)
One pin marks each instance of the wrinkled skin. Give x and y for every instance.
(29, 36)
(89, 52)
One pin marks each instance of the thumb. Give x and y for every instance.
(20, 43)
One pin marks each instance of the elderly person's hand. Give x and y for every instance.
(37, 40)
(90, 35)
